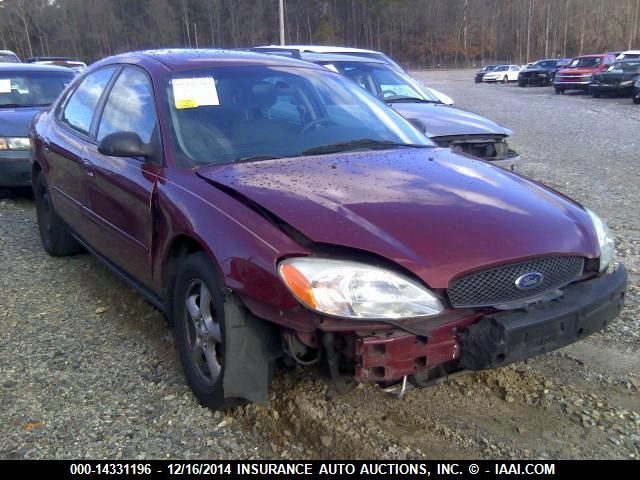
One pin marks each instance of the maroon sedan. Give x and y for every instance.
(273, 210)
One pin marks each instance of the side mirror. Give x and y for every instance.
(124, 144)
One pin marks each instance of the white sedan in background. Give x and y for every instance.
(503, 73)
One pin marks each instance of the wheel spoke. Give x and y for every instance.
(212, 361)
(213, 330)
(192, 307)
(205, 301)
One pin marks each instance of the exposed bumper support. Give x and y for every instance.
(506, 337)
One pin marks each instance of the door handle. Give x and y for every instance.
(88, 168)
(46, 146)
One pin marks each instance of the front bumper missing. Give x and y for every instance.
(505, 337)
(495, 339)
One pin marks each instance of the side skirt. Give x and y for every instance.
(146, 292)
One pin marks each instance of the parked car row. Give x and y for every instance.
(293, 209)
(616, 73)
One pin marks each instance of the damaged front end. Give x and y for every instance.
(494, 149)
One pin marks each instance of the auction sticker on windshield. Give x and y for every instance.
(5, 85)
(194, 92)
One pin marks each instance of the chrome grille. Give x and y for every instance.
(498, 285)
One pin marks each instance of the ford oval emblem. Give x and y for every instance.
(529, 280)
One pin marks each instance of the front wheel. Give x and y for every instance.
(522, 84)
(505, 79)
(636, 100)
(199, 319)
(559, 91)
(596, 95)
(54, 233)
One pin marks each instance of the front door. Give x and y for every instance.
(119, 189)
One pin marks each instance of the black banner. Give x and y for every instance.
(449, 469)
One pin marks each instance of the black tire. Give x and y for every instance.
(596, 95)
(54, 233)
(522, 84)
(636, 100)
(505, 79)
(207, 386)
(559, 91)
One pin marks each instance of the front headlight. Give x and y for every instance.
(15, 143)
(626, 82)
(605, 240)
(356, 290)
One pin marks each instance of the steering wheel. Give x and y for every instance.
(383, 93)
(316, 122)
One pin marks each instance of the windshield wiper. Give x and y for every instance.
(365, 143)
(411, 100)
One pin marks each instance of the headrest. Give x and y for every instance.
(263, 95)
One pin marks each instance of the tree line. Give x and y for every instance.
(419, 33)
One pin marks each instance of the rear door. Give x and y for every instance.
(120, 189)
(65, 145)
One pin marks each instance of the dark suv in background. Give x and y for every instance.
(542, 72)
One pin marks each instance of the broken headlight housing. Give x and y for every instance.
(356, 290)
(606, 241)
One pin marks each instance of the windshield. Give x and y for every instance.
(31, 88)
(375, 55)
(230, 114)
(585, 62)
(488, 68)
(383, 81)
(8, 58)
(501, 69)
(625, 67)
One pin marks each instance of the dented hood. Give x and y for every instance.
(443, 121)
(435, 213)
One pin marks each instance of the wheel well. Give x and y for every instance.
(180, 248)
(35, 170)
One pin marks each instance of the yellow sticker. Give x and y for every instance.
(194, 92)
(186, 103)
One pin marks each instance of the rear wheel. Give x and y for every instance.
(54, 233)
(199, 319)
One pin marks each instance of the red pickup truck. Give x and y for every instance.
(580, 72)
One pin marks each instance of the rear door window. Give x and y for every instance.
(81, 106)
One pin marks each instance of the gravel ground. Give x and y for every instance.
(88, 369)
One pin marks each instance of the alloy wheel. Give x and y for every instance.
(204, 335)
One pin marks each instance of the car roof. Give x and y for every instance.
(336, 58)
(322, 48)
(180, 58)
(32, 67)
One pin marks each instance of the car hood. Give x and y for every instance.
(15, 122)
(435, 213)
(578, 71)
(618, 76)
(443, 120)
(536, 70)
